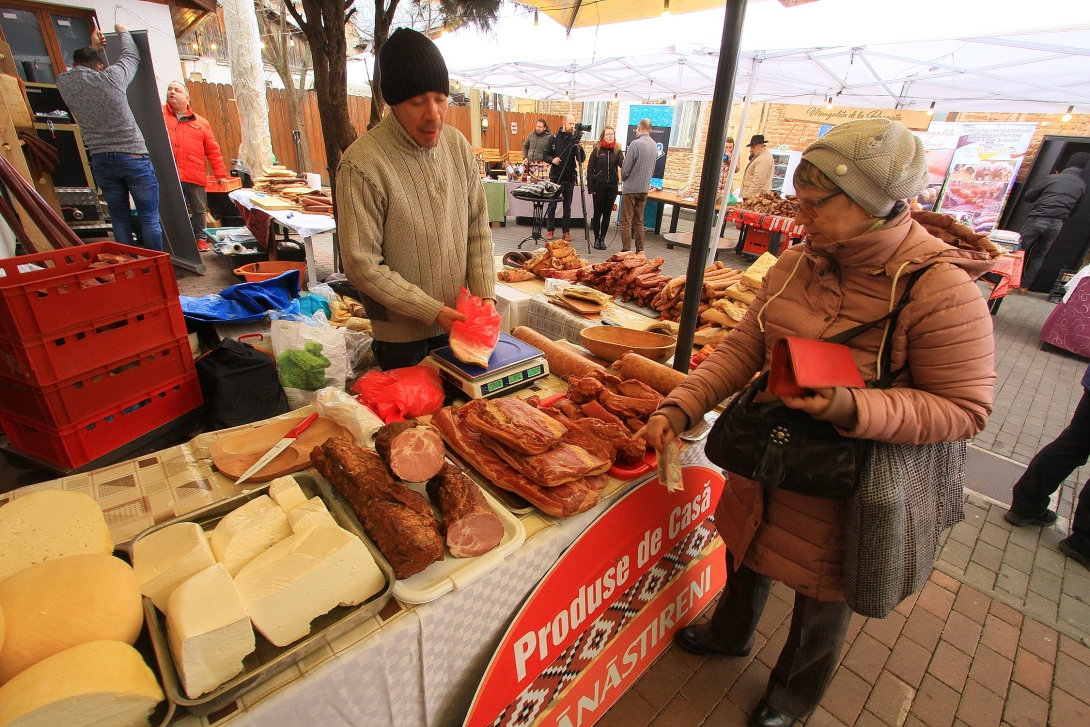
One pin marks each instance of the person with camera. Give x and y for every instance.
(603, 173)
(564, 154)
(934, 356)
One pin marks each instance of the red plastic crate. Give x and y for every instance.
(98, 390)
(756, 241)
(80, 443)
(69, 293)
(71, 352)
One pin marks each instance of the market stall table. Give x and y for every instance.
(523, 209)
(410, 665)
(677, 202)
(496, 195)
(304, 225)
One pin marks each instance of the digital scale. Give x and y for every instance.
(513, 364)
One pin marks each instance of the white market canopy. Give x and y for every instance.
(966, 55)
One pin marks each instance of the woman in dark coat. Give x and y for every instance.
(603, 174)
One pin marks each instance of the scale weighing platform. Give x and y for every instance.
(513, 365)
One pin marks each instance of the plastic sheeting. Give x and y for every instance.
(248, 81)
(246, 302)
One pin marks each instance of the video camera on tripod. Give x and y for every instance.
(582, 127)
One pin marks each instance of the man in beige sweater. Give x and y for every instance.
(413, 219)
(758, 175)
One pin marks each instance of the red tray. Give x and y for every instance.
(650, 461)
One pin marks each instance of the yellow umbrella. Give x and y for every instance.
(583, 13)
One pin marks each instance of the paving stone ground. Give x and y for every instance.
(999, 635)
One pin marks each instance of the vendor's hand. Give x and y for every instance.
(556, 160)
(657, 432)
(98, 40)
(221, 180)
(813, 403)
(120, 28)
(448, 317)
(490, 301)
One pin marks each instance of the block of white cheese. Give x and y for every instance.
(208, 630)
(311, 513)
(165, 558)
(50, 524)
(286, 492)
(61, 603)
(91, 685)
(305, 576)
(247, 531)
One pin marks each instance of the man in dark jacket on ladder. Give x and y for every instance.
(564, 153)
(1055, 198)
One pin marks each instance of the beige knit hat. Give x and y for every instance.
(875, 161)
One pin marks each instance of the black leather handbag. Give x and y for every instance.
(787, 448)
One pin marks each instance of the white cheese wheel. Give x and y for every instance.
(305, 576)
(50, 524)
(310, 514)
(208, 630)
(97, 684)
(287, 493)
(247, 531)
(58, 604)
(165, 558)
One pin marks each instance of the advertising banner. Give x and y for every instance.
(611, 603)
(662, 119)
(818, 114)
(984, 167)
(939, 142)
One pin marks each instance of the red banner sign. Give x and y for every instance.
(607, 577)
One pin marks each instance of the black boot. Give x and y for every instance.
(765, 716)
(696, 639)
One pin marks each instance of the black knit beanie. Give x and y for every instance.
(409, 65)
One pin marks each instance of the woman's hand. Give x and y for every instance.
(813, 403)
(657, 432)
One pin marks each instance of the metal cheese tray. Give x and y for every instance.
(267, 660)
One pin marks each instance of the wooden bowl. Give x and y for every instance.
(612, 342)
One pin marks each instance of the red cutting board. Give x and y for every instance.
(236, 453)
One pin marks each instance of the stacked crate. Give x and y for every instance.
(91, 358)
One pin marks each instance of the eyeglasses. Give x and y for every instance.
(808, 208)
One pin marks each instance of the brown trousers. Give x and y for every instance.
(632, 220)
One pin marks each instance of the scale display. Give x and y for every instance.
(513, 364)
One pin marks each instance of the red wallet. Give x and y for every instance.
(801, 364)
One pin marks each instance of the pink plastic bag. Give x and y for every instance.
(473, 340)
(400, 394)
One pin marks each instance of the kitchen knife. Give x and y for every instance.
(277, 448)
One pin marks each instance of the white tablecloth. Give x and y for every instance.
(302, 224)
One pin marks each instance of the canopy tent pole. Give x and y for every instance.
(720, 220)
(722, 99)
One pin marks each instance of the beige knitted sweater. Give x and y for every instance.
(413, 228)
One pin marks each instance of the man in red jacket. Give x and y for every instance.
(192, 140)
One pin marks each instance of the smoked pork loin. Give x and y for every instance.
(413, 450)
(472, 526)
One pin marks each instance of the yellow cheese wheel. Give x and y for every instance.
(91, 685)
(60, 603)
(50, 524)
(2, 627)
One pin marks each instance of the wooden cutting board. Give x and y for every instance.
(235, 453)
(271, 203)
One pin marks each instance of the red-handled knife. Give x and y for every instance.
(279, 447)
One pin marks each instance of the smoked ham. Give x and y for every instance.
(563, 463)
(472, 526)
(562, 501)
(413, 450)
(397, 519)
(516, 424)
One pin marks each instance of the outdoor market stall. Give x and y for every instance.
(297, 220)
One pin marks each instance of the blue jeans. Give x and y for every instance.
(119, 175)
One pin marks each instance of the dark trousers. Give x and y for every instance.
(808, 659)
(567, 189)
(1038, 234)
(120, 175)
(1051, 466)
(196, 199)
(399, 355)
(604, 197)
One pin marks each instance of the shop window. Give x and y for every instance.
(594, 115)
(42, 37)
(683, 131)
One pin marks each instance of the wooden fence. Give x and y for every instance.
(216, 102)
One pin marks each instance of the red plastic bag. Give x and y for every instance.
(473, 340)
(400, 394)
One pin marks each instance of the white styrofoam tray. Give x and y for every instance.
(452, 573)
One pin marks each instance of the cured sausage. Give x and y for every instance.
(661, 378)
(413, 450)
(564, 361)
(472, 526)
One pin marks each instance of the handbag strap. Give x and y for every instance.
(845, 336)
